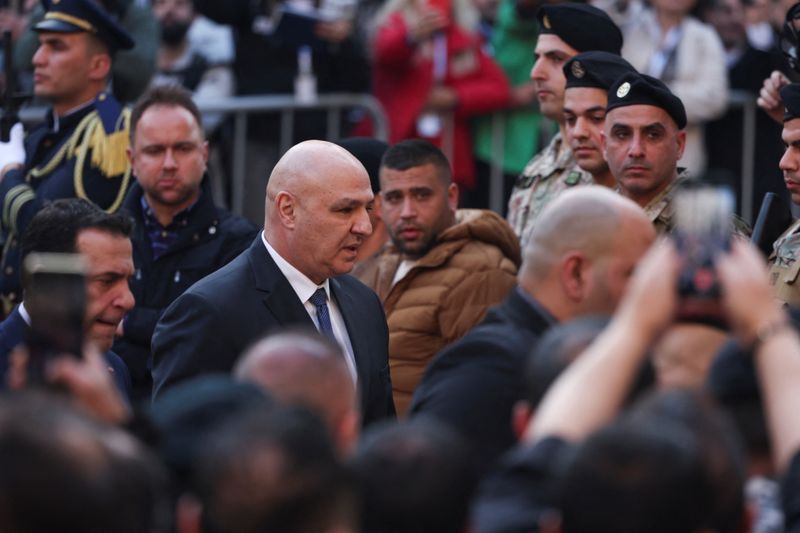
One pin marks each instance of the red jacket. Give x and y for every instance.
(403, 77)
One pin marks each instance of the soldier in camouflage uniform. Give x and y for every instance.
(589, 76)
(643, 141)
(644, 138)
(784, 263)
(563, 35)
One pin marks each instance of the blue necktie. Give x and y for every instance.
(320, 301)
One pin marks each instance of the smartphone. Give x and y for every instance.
(55, 299)
(703, 230)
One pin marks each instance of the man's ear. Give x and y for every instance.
(521, 418)
(452, 197)
(188, 515)
(286, 206)
(99, 67)
(573, 274)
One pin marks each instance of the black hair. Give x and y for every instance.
(301, 487)
(416, 476)
(673, 465)
(414, 153)
(56, 226)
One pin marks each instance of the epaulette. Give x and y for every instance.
(105, 133)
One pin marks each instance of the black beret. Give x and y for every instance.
(581, 26)
(369, 152)
(595, 69)
(73, 16)
(640, 89)
(791, 101)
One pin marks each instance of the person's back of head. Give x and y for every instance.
(274, 471)
(416, 476)
(672, 465)
(60, 471)
(579, 255)
(304, 367)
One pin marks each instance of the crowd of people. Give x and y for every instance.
(376, 352)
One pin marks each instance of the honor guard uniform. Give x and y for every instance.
(80, 150)
(554, 169)
(784, 271)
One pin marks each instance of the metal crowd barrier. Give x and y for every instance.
(241, 107)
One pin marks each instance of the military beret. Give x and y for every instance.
(640, 89)
(595, 69)
(791, 101)
(581, 26)
(73, 16)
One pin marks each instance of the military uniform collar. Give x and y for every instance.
(68, 119)
(660, 210)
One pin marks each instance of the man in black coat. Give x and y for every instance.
(317, 204)
(77, 226)
(576, 263)
(180, 235)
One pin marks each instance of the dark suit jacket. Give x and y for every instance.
(473, 384)
(214, 321)
(13, 331)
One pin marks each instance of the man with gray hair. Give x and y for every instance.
(302, 367)
(576, 263)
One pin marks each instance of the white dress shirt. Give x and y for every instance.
(305, 288)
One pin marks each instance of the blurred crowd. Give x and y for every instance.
(367, 347)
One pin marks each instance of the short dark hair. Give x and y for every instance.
(56, 226)
(414, 153)
(166, 95)
(304, 488)
(62, 471)
(416, 476)
(672, 465)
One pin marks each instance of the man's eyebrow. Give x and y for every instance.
(347, 202)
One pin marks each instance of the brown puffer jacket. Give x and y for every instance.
(448, 291)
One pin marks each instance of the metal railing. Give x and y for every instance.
(242, 107)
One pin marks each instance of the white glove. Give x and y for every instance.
(13, 151)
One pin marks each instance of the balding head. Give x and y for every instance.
(582, 251)
(318, 197)
(305, 368)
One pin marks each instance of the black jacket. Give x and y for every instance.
(209, 240)
(473, 384)
(206, 329)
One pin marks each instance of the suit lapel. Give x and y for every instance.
(351, 312)
(277, 294)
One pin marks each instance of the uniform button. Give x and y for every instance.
(196, 237)
(9, 270)
(212, 230)
(102, 97)
(163, 233)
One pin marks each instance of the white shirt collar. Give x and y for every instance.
(24, 313)
(303, 287)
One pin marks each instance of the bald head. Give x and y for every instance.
(587, 230)
(317, 209)
(307, 167)
(304, 368)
